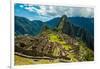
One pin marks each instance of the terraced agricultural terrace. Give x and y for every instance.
(50, 47)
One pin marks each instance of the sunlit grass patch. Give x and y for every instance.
(22, 61)
(56, 38)
(53, 37)
(26, 61)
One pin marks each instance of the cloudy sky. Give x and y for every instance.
(45, 13)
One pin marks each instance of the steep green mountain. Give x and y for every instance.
(52, 24)
(77, 31)
(25, 26)
(54, 44)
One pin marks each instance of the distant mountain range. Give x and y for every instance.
(24, 26)
(73, 26)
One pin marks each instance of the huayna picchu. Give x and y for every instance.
(65, 42)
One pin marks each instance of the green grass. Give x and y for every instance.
(53, 37)
(25, 61)
(22, 61)
(85, 53)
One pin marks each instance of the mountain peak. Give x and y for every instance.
(62, 22)
(64, 16)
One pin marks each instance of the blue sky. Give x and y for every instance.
(46, 12)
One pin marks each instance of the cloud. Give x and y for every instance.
(21, 6)
(87, 12)
(54, 11)
(29, 9)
